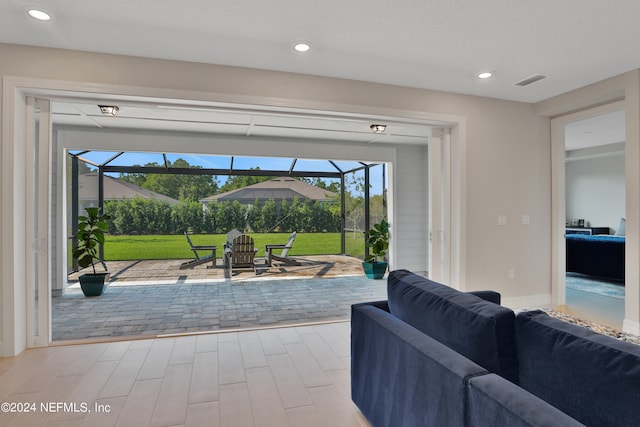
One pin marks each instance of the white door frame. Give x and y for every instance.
(439, 210)
(15, 90)
(558, 194)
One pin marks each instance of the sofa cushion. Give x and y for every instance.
(477, 329)
(592, 377)
(494, 401)
(402, 377)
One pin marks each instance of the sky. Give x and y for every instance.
(224, 162)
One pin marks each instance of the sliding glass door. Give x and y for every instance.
(439, 266)
(38, 231)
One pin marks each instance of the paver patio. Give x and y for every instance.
(151, 298)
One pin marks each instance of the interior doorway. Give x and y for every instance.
(589, 196)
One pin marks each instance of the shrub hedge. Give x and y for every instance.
(150, 216)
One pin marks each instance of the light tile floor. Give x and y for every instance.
(293, 376)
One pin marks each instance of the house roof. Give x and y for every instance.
(277, 189)
(115, 189)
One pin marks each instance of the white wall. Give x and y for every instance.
(508, 176)
(595, 186)
(410, 227)
(506, 154)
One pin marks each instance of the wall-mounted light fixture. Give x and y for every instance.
(378, 128)
(109, 110)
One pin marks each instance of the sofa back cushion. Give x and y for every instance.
(592, 377)
(477, 329)
(401, 377)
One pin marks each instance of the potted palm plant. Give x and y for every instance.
(91, 229)
(378, 244)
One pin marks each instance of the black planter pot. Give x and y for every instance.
(93, 284)
(374, 270)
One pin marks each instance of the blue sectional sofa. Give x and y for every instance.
(434, 356)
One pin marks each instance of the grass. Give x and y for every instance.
(118, 248)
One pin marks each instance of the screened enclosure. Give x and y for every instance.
(168, 194)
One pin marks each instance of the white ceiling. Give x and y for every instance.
(255, 124)
(601, 130)
(430, 44)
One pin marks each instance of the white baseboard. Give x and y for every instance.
(631, 327)
(515, 303)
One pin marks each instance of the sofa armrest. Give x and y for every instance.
(382, 305)
(490, 296)
(402, 377)
(494, 401)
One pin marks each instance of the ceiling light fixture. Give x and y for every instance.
(109, 110)
(485, 74)
(302, 47)
(39, 14)
(378, 128)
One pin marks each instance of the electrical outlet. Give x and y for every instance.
(502, 220)
(512, 274)
(526, 220)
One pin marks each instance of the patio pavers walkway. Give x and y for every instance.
(183, 305)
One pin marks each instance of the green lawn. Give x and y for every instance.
(119, 248)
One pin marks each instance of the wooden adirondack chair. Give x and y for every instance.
(199, 259)
(241, 254)
(270, 256)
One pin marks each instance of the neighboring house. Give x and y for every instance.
(277, 189)
(114, 189)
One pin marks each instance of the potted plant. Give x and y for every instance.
(378, 244)
(91, 229)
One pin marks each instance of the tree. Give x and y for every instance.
(269, 215)
(231, 215)
(187, 215)
(254, 217)
(134, 178)
(210, 220)
(285, 220)
(354, 203)
(298, 219)
(190, 188)
(333, 186)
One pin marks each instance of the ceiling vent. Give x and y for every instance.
(529, 80)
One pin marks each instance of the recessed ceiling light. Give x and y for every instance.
(302, 47)
(485, 74)
(109, 110)
(39, 14)
(378, 128)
